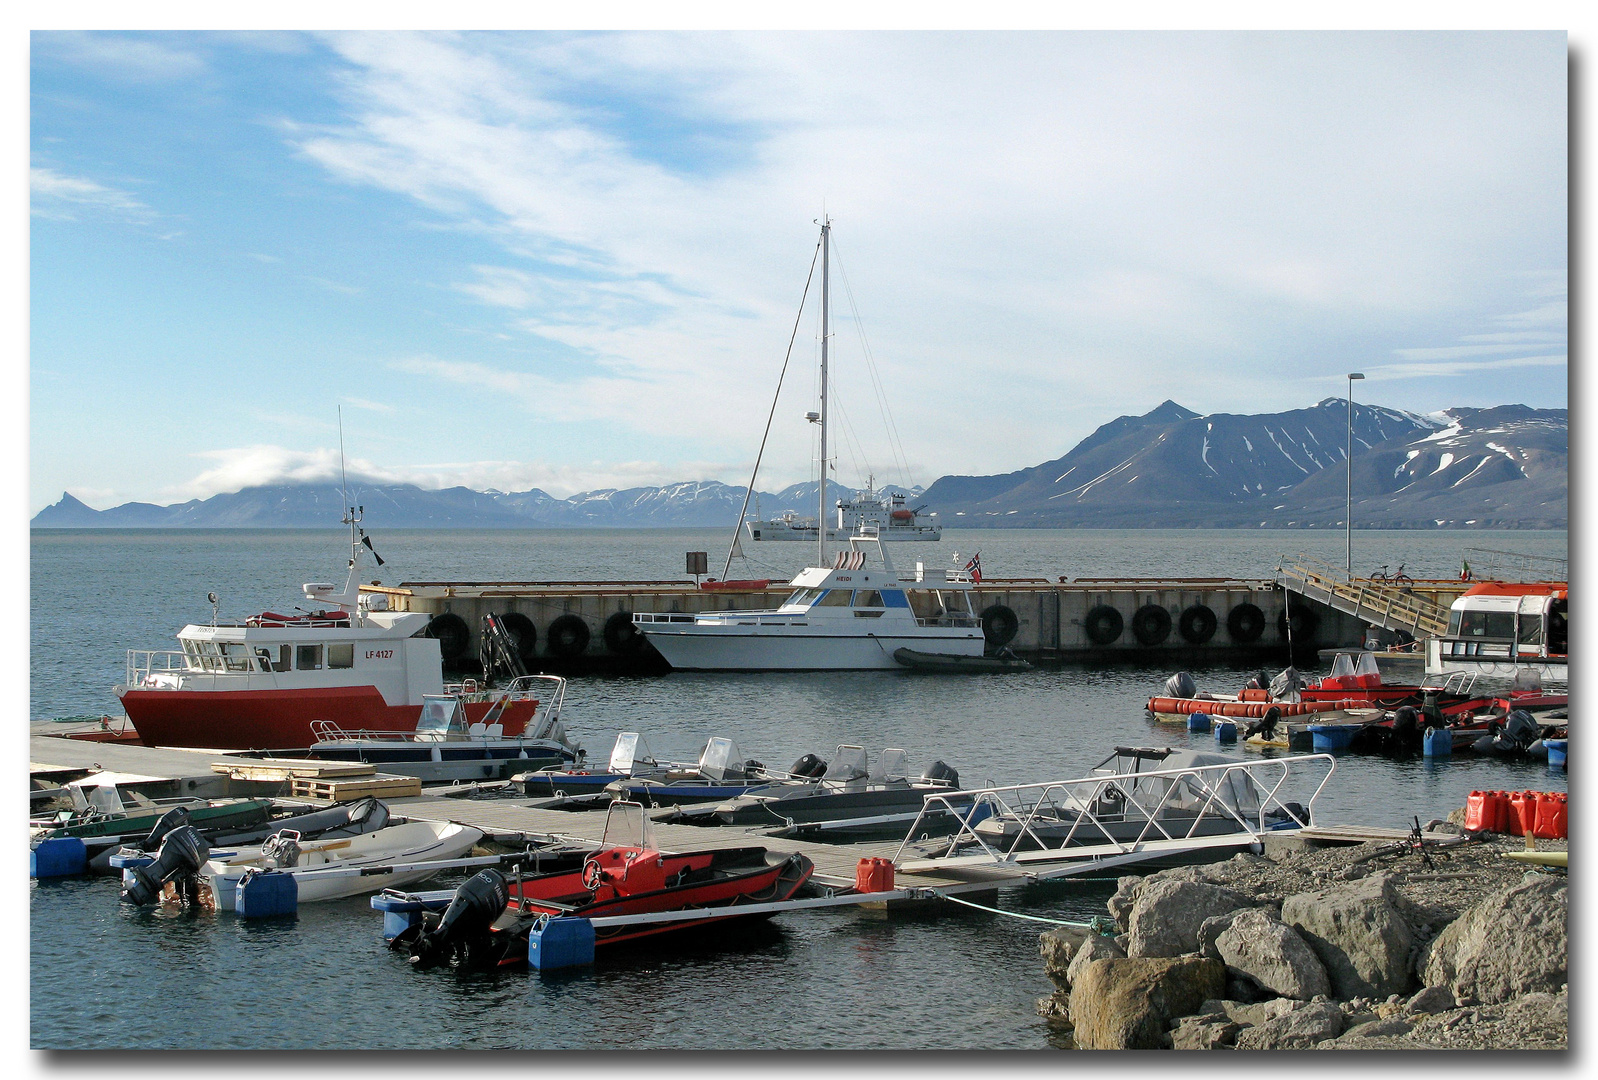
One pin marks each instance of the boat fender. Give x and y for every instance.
(59, 856)
(1245, 623)
(568, 636)
(1305, 623)
(452, 633)
(1102, 625)
(563, 942)
(999, 624)
(1151, 625)
(1181, 685)
(263, 894)
(523, 634)
(622, 636)
(1197, 625)
(472, 910)
(182, 853)
(808, 767)
(939, 773)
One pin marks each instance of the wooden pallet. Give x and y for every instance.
(291, 769)
(382, 785)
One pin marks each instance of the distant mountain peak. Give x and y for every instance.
(1169, 412)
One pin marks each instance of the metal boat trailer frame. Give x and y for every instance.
(1033, 805)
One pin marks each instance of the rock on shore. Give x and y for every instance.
(1361, 947)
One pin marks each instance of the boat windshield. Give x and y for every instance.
(1367, 666)
(1342, 666)
(849, 763)
(801, 598)
(105, 799)
(626, 825)
(629, 752)
(441, 716)
(722, 760)
(893, 766)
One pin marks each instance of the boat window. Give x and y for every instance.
(1488, 624)
(1453, 622)
(341, 656)
(867, 598)
(802, 598)
(308, 657)
(236, 656)
(835, 598)
(894, 598)
(1531, 629)
(285, 654)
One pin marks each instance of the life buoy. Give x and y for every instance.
(568, 636)
(1197, 624)
(1305, 623)
(621, 635)
(523, 634)
(1245, 623)
(452, 633)
(999, 624)
(1103, 624)
(1151, 625)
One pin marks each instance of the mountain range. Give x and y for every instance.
(1502, 467)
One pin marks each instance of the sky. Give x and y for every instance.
(574, 260)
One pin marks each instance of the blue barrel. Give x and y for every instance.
(265, 893)
(1198, 721)
(1225, 731)
(1439, 742)
(60, 856)
(1327, 737)
(560, 943)
(1556, 752)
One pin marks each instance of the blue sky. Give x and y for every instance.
(572, 261)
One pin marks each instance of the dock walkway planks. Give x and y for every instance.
(835, 863)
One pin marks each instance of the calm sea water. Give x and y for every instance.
(842, 979)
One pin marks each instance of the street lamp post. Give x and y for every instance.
(1348, 459)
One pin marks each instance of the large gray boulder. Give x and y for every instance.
(1296, 1030)
(1127, 1004)
(1058, 947)
(1094, 948)
(1167, 915)
(1358, 934)
(1273, 955)
(1511, 943)
(1210, 1031)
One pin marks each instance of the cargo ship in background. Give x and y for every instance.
(884, 511)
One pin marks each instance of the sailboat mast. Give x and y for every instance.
(821, 498)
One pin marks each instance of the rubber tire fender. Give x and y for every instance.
(452, 633)
(1197, 624)
(522, 632)
(621, 635)
(1151, 625)
(1245, 622)
(999, 625)
(1305, 623)
(568, 636)
(1103, 624)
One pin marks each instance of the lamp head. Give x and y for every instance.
(1354, 376)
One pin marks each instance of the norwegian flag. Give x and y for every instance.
(974, 567)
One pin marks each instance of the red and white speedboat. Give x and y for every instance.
(260, 684)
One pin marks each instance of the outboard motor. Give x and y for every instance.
(1181, 685)
(939, 773)
(1260, 681)
(808, 767)
(1286, 686)
(475, 906)
(1265, 725)
(175, 818)
(182, 853)
(1431, 710)
(1521, 729)
(1406, 727)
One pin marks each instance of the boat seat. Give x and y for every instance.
(477, 729)
(494, 731)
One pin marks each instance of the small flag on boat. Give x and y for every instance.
(974, 567)
(1464, 570)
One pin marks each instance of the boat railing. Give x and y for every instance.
(950, 620)
(1179, 808)
(144, 666)
(663, 617)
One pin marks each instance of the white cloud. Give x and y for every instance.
(143, 58)
(57, 195)
(1462, 367)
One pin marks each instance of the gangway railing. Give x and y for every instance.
(1390, 606)
(1069, 827)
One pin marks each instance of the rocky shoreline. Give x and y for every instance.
(1351, 947)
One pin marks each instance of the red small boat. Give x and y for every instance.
(489, 918)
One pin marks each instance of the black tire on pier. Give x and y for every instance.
(1305, 623)
(999, 625)
(621, 635)
(1151, 625)
(522, 633)
(452, 633)
(568, 636)
(1103, 624)
(1245, 623)
(1197, 624)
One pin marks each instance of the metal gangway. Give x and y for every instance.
(1385, 604)
(1111, 819)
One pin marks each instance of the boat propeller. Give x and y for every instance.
(183, 852)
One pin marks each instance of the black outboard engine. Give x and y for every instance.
(1260, 681)
(1181, 685)
(182, 853)
(1431, 710)
(1265, 725)
(808, 767)
(175, 818)
(939, 773)
(476, 905)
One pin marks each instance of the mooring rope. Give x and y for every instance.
(1099, 925)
